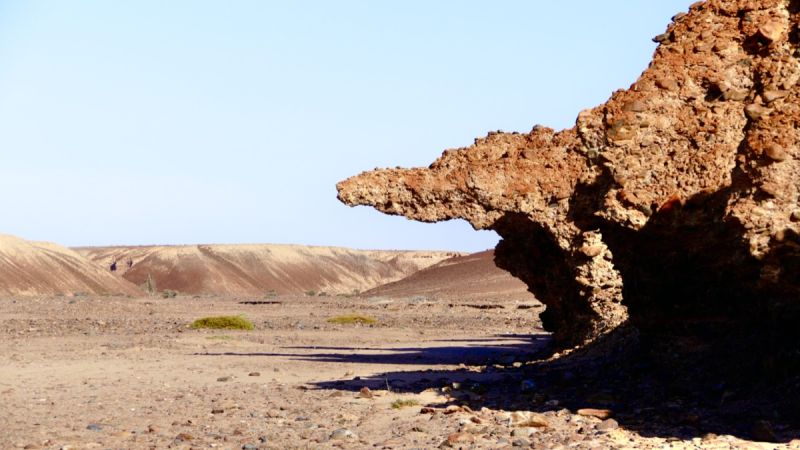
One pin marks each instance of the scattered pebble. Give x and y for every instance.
(365, 392)
(527, 419)
(607, 425)
(521, 442)
(595, 412)
(183, 437)
(342, 433)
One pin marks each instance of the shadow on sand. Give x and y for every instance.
(662, 385)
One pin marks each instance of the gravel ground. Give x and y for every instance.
(115, 372)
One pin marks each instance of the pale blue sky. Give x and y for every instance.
(174, 122)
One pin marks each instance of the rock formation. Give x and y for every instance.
(678, 197)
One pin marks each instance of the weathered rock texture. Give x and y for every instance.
(678, 195)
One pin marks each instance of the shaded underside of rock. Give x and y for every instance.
(678, 197)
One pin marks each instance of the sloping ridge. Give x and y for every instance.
(469, 277)
(254, 269)
(42, 268)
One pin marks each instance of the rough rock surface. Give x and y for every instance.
(677, 197)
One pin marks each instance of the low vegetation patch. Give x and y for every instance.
(401, 403)
(352, 319)
(169, 293)
(223, 322)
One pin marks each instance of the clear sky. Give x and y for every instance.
(172, 122)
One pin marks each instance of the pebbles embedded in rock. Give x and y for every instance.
(772, 30)
(663, 38)
(754, 111)
(667, 83)
(591, 250)
(775, 152)
(770, 96)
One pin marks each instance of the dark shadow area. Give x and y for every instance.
(528, 252)
(651, 393)
(476, 306)
(501, 349)
(712, 342)
(260, 302)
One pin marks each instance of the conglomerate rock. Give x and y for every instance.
(678, 196)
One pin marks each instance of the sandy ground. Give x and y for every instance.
(115, 372)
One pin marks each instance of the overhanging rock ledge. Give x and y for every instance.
(676, 199)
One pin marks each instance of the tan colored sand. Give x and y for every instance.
(44, 268)
(254, 269)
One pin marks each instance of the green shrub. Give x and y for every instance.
(352, 319)
(169, 293)
(223, 322)
(311, 293)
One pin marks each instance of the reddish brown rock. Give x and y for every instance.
(667, 197)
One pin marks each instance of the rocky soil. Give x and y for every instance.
(114, 372)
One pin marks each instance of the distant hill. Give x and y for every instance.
(260, 268)
(464, 277)
(42, 268)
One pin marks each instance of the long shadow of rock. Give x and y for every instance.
(659, 385)
(506, 348)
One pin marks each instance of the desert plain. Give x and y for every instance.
(453, 359)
